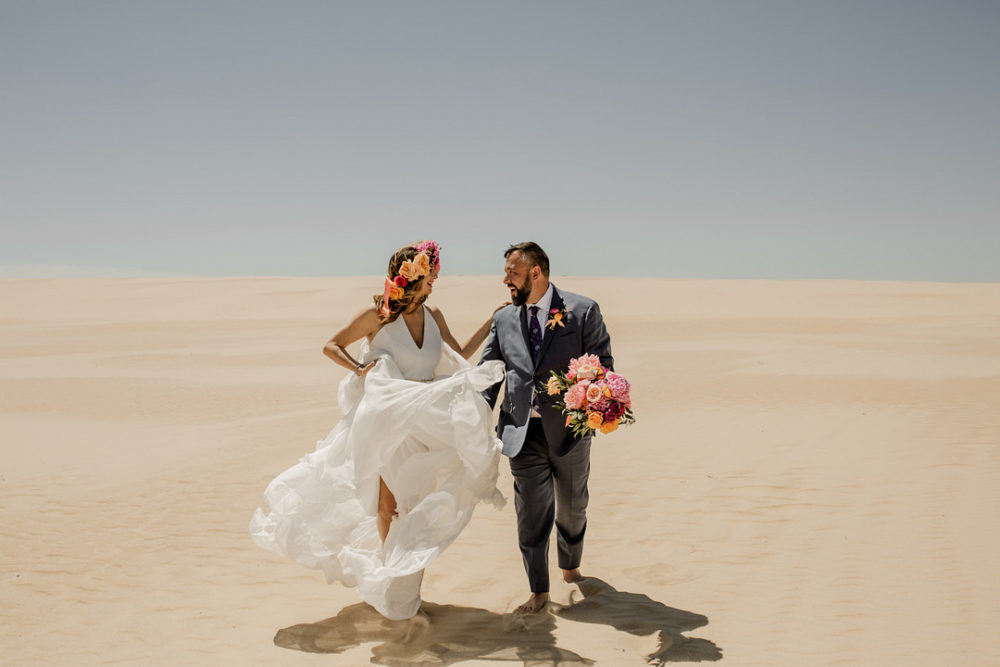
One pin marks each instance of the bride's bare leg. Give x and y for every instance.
(386, 508)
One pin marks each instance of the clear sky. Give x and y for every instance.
(699, 139)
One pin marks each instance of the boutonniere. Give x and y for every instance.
(556, 317)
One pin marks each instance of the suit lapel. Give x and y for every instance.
(547, 333)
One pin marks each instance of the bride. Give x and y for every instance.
(396, 480)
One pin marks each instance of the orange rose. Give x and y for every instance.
(594, 420)
(395, 292)
(409, 270)
(423, 263)
(608, 427)
(553, 386)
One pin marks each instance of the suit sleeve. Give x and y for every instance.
(491, 352)
(596, 339)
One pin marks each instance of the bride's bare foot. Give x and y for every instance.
(535, 604)
(572, 576)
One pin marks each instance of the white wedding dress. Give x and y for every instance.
(418, 421)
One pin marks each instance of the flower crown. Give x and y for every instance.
(411, 270)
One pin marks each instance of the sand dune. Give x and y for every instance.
(812, 479)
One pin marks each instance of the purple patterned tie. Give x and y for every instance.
(535, 331)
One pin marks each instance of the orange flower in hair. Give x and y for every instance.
(392, 292)
(409, 270)
(423, 263)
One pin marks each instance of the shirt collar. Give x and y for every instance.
(545, 302)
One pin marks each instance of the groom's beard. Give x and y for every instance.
(520, 295)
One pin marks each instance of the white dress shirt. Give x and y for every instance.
(543, 317)
(543, 308)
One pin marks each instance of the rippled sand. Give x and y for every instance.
(812, 480)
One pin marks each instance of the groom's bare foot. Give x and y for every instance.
(572, 576)
(535, 604)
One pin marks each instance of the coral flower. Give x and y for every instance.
(594, 393)
(594, 420)
(553, 386)
(555, 319)
(392, 292)
(608, 427)
(409, 270)
(423, 263)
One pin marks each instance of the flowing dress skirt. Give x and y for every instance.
(434, 445)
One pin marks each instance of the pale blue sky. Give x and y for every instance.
(742, 139)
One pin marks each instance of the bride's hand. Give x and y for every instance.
(362, 369)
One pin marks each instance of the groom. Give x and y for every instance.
(540, 332)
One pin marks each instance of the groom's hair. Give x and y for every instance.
(532, 253)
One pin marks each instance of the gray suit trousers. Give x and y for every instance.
(546, 488)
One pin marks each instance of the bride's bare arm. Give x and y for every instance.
(364, 324)
(474, 341)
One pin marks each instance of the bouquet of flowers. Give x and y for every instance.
(595, 398)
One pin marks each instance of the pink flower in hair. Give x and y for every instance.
(434, 252)
(387, 293)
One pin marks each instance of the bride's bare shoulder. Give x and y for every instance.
(438, 316)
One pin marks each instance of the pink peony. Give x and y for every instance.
(619, 387)
(586, 367)
(600, 405)
(576, 396)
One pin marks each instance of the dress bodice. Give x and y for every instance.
(416, 363)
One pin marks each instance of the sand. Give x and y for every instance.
(813, 479)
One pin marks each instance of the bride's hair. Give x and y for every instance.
(388, 312)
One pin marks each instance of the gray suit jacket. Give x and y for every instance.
(508, 341)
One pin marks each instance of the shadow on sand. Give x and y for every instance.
(439, 635)
(637, 614)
